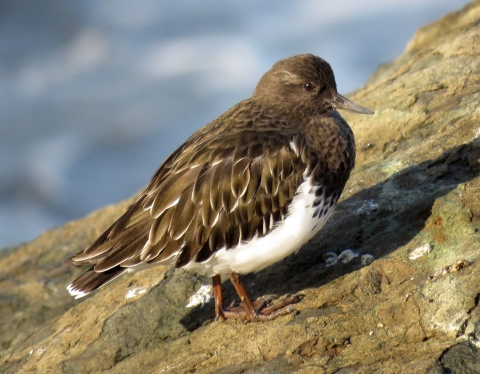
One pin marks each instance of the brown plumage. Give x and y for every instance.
(234, 182)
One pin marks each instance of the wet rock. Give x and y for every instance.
(416, 182)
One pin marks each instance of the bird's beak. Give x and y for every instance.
(341, 102)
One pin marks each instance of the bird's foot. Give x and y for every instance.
(265, 308)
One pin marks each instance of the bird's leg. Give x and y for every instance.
(261, 310)
(247, 303)
(222, 313)
(218, 297)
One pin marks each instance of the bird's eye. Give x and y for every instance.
(309, 87)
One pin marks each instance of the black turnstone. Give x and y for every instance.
(242, 193)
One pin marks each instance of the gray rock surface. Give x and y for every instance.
(416, 187)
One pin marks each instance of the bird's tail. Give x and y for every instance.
(92, 280)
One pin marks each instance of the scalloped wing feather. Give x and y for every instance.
(190, 209)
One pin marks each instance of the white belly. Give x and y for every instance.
(296, 229)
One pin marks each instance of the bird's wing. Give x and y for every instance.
(206, 196)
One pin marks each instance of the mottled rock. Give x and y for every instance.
(429, 34)
(416, 184)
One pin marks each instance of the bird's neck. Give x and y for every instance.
(331, 139)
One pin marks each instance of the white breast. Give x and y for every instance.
(296, 229)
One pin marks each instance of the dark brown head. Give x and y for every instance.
(302, 85)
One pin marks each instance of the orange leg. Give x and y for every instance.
(218, 297)
(261, 310)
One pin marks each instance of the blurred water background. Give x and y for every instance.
(94, 94)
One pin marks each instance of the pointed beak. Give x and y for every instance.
(341, 102)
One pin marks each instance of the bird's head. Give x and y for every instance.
(303, 85)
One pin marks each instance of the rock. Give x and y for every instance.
(427, 35)
(461, 358)
(416, 184)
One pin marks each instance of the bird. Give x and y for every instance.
(240, 194)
